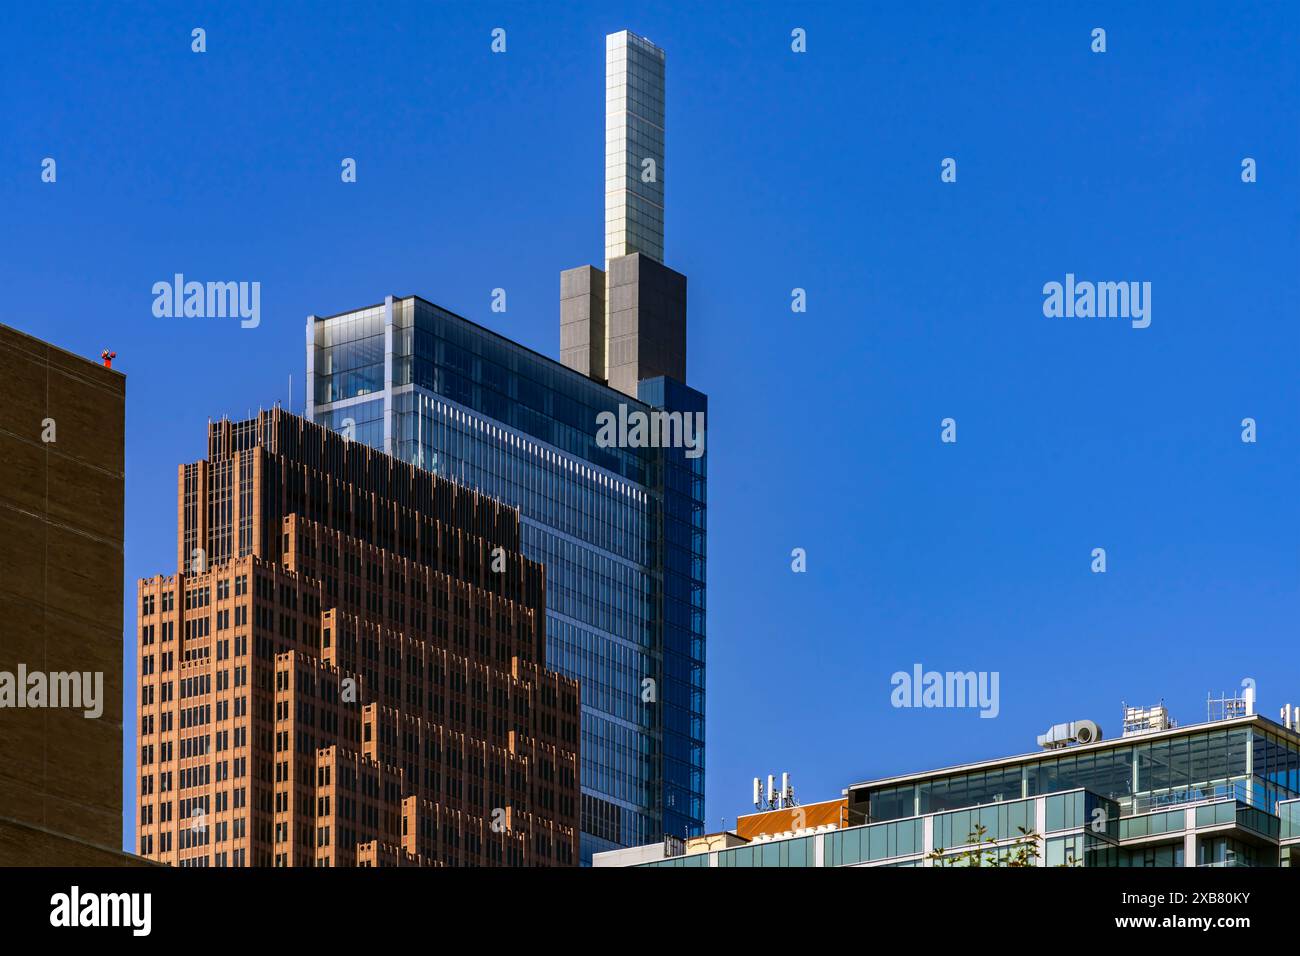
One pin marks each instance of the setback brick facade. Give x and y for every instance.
(348, 668)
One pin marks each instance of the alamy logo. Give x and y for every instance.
(75, 689)
(210, 300)
(133, 910)
(1102, 300)
(922, 688)
(653, 429)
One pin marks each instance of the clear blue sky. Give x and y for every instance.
(820, 171)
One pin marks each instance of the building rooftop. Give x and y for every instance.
(506, 340)
(1101, 745)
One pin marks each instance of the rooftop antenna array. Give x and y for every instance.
(1224, 707)
(782, 799)
(1290, 715)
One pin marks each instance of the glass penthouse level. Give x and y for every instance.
(621, 531)
(1225, 793)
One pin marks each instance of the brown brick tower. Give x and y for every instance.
(347, 669)
(61, 494)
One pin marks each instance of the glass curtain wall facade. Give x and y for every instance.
(678, 495)
(1209, 795)
(620, 530)
(1248, 763)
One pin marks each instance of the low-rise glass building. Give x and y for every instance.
(1218, 794)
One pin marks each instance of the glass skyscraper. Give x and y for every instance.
(620, 530)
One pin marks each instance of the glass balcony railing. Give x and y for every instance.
(1288, 812)
(1239, 790)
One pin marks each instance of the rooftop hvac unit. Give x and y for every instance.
(1146, 720)
(1075, 732)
